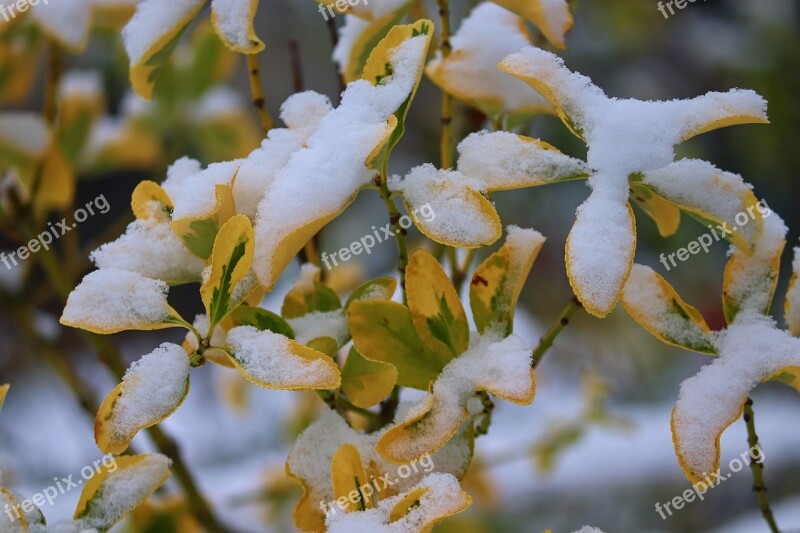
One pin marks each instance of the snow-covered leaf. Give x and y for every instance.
(150, 201)
(347, 474)
(655, 305)
(261, 319)
(551, 17)
(229, 282)
(309, 295)
(497, 282)
(68, 22)
(273, 361)
(375, 289)
(367, 382)
(459, 215)
(112, 300)
(499, 366)
(233, 22)
(11, 524)
(791, 306)
(81, 102)
(111, 494)
(153, 388)
(358, 37)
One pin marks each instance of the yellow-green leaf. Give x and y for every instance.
(376, 289)
(347, 475)
(367, 382)
(227, 285)
(262, 319)
(149, 195)
(200, 233)
(119, 488)
(497, 282)
(309, 295)
(436, 311)
(383, 331)
(665, 214)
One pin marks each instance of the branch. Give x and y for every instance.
(257, 91)
(757, 467)
(548, 338)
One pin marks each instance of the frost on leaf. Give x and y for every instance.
(110, 495)
(233, 22)
(324, 177)
(463, 217)
(501, 160)
(715, 196)
(424, 505)
(497, 282)
(112, 300)
(655, 305)
(470, 72)
(153, 388)
(493, 364)
(274, 361)
(311, 460)
(625, 137)
(751, 350)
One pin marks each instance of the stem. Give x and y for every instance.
(461, 273)
(548, 338)
(55, 66)
(757, 467)
(257, 90)
(399, 232)
(446, 144)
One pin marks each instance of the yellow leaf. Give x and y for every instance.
(235, 25)
(654, 304)
(376, 289)
(665, 214)
(348, 476)
(553, 19)
(3, 393)
(326, 345)
(147, 195)
(367, 382)
(56, 188)
(436, 311)
(17, 45)
(370, 34)
(230, 261)
(150, 46)
(199, 233)
(406, 503)
(497, 282)
(130, 480)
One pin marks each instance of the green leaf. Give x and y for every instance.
(367, 382)
(261, 319)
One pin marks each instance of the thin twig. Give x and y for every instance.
(257, 92)
(398, 230)
(446, 143)
(548, 338)
(757, 467)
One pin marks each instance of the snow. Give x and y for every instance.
(68, 20)
(653, 306)
(153, 20)
(152, 249)
(218, 338)
(751, 351)
(303, 111)
(485, 37)
(233, 20)
(349, 34)
(699, 185)
(267, 358)
(113, 300)
(320, 180)
(81, 84)
(792, 306)
(124, 489)
(441, 496)
(501, 367)
(196, 196)
(501, 160)
(24, 132)
(178, 174)
(153, 387)
(310, 326)
(460, 215)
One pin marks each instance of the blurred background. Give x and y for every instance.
(595, 446)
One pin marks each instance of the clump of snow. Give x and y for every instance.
(268, 359)
(456, 203)
(349, 34)
(233, 20)
(153, 387)
(68, 20)
(501, 367)
(485, 37)
(114, 300)
(310, 326)
(153, 20)
(654, 307)
(322, 179)
(177, 175)
(751, 350)
(699, 185)
(440, 496)
(124, 489)
(303, 111)
(152, 249)
(792, 307)
(501, 160)
(197, 196)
